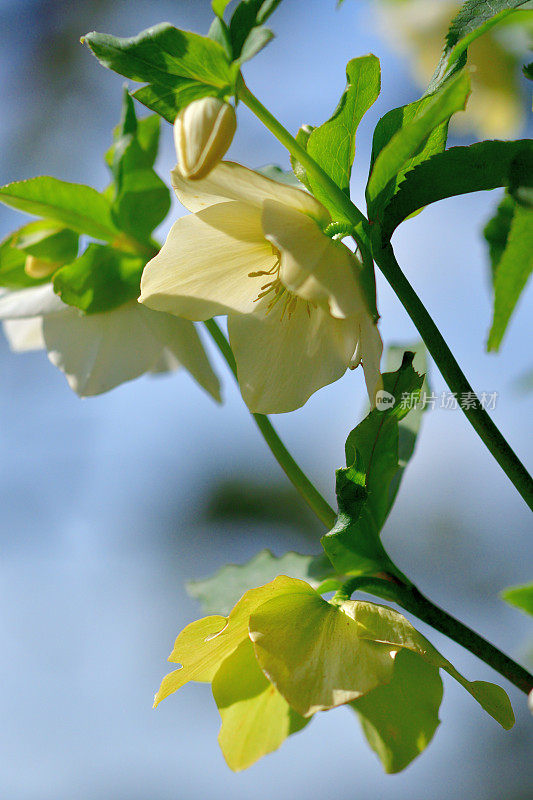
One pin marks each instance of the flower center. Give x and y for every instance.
(277, 292)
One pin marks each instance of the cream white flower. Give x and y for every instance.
(100, 351)
(203, 131)
(254, 249)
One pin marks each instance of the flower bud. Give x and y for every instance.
(203, 131)
(39, 267)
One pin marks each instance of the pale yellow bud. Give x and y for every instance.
(39, 267)
(203, 131)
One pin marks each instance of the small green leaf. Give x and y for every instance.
(496, 231)
(278, 174)
(459, 170)
(219, 32)
(256, 719)
(302, 137)
(101, 279)
(219, 6)
(474, 19)
(76, 206)
(377, 451)
(314, 653)
(403, 149)
(519, 596)
(400, 718)
(248, 15)
(141, 199)
(203, 646)
(13, 260)
(48, 241)
(219, 593)
(332, 145)
(178, 66)
(258, 38)
(512, 273)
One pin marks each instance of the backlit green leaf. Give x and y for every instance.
(101, 279)
(377, 451)
(407, 146)
(496, 231)
(400, 718)
(248, 15)
(512, 273)
(520, 596)
(76, 206)
(474, 19)
(314, 652)
(204, 645)
(332, 145)
(48, 241)
(256, 719)
(178, 66)
(219, 7)
(219, 593)
(13, 260)
(459, 170)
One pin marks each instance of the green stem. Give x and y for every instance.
(384, 257)
(412, 600)
(453, 375)
(297, 477)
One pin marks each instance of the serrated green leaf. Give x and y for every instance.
(377, 451)
(519, 596)
(256, 719)
(403, 149)
(459, 170)
(78, 207)
(178, 66)
(101, 279)
(512, 273)
(219, 593)
(332, 145)
(474, 19)
(400, 718)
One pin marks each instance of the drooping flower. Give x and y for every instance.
(100, 351)
(284, 653)
(203, 131)
(256, 250)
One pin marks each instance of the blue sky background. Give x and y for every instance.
(109, 505)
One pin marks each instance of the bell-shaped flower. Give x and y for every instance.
(255, 249)
(203, 131)
(99, 351)
(284, 653)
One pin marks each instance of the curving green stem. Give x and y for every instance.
(295, 474)
(412, 600)
(433, 339)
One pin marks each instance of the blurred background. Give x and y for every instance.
(110, 505)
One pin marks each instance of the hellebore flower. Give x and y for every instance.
(100, 351)
(284, 653)
(203, 131)
(255, 249)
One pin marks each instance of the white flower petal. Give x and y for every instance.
(312, 265)
(182, 346)
(281, 362)
(100, 351)
(230, 181)
(32, 302)
(24, 334)
(203, 268)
